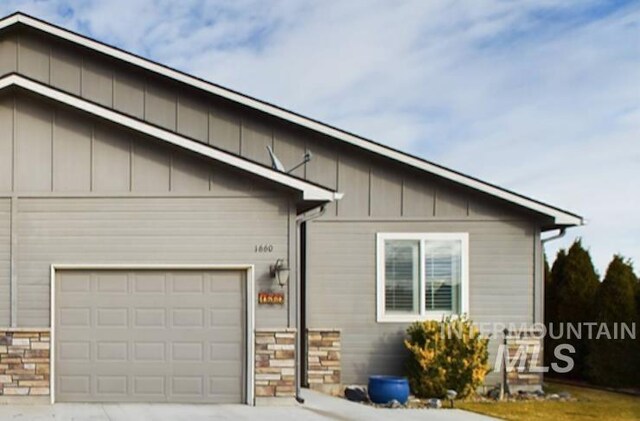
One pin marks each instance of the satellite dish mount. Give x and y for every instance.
(276, 164)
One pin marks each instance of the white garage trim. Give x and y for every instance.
(250, 310)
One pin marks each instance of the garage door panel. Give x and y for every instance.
(150, 336)
(186, 385)
(74, 384)
(224, 351)
(224, 318)
(187, 351)
(148, 284)
(74, 351)
(111, 351)
(150, 318)
(74, 317)
(112, 283)
(152, 386)
(187, 317)
(112, 385)
(222, 386)
(150, 351)
(76, 283)
(112, 317)
(189, 283)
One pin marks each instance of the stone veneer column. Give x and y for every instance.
(24, 362)
(323, 360)
(275, 363)
(525, 379)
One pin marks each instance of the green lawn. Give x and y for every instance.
(591, 404)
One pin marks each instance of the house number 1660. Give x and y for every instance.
(263, 248)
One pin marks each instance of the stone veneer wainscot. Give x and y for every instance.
(323, 360)
(525, 379)
(275, 363)
(24, 362)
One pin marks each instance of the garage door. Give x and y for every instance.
(150, 336)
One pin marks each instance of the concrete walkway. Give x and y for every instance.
(317, 407)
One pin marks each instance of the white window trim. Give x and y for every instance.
(381, 316)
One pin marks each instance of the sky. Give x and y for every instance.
(541, 97)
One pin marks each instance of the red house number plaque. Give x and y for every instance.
(271, 298)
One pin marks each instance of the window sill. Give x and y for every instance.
(410, 318)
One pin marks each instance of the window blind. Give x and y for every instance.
(402, 276)
(442, 275)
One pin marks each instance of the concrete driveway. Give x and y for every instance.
(317, 407)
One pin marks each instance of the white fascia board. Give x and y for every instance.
(309, 191)
(560, 217)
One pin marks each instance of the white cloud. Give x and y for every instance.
(541, 97)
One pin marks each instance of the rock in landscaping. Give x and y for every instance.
(435, 403)
(564, 395)
(356, 394)
(394, 404)
(554, 397)
(494, 393)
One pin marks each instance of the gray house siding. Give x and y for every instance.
(341, 284)
(5, 262)
(86, 191)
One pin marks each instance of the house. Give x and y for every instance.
(149, 252)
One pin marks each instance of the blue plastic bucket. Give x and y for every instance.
(384, 389)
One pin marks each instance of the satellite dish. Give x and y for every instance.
(275, 162)
(277, 165)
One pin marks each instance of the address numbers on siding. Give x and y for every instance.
(263, 248)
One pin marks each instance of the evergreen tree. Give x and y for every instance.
(612, 362)
(576, 283)
(638, 298)
(550, 305)
(549, 297)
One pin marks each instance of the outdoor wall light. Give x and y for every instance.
(280, 271)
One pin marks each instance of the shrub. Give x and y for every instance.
(450, 354)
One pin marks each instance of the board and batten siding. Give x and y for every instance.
(52, 148)
(341, 284)
(374, 187)
(87, 191)
(5, 261)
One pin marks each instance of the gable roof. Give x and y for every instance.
(560, 217)
(309, 191)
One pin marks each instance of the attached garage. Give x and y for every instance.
(133, 258)
(151, 335)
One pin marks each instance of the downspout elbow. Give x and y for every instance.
(559, 235)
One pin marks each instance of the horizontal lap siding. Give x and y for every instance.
(341, 285)
(5, 262)
(149, 231)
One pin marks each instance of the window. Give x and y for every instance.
(421, 276)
